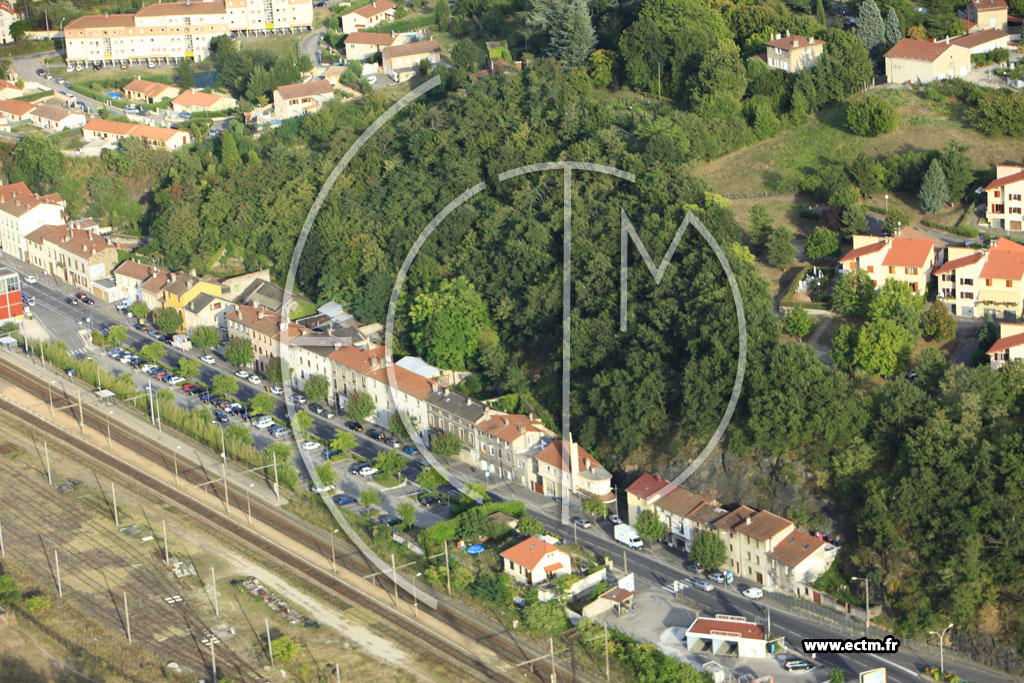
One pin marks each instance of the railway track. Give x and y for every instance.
(513, 650)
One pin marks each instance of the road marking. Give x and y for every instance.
(889, 662)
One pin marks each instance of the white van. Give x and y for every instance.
(263, 422)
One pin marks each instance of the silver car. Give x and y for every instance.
(702, 584)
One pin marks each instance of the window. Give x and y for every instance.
(1014, 197)
(1009, 283)
(911, 271)
(967, 281)
(988, 282)
(1015, 210)
(892, 270)
(871, 269)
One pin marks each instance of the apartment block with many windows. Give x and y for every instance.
(975, 283)
(904, 258)
(1004, 205)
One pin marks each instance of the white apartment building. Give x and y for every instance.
(171, 31)
(7, 17)
(1009, 346)
(23, 211)
(975, 283)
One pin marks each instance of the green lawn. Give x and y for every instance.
(279, 45)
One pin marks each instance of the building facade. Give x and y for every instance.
(402, 62)
(78, 257)
(792, 53)
(23, 211)
(508, 445)
(564, 469)
(367, 16)
(921, 61)
(904, 259)
(1009, 346)
(975, 283)
(989, 14)
(363, 44)
(194, 101)
(149, 91)
(534, 561)
(11, 306)
(301, 98)
(153, 136)
(54, 119)
(7, 17)
(1004, 206)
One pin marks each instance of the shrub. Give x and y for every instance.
(871, 116)
(798, 323)
(821, 244)
(37, 603)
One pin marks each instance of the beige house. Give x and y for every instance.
(131, 275)
(362, 44)
(1009, 346)
(23, 211)
(797, 561)
(206, 310)
(401, 62)
(13, 111)
(920, 61)
(171, 31)
(1004, 207)
(49, 117)
(78, 257)
(793, 53)
(508, 446)
(194, 101)
(149, 91)
(367, 16)
(9, 90)
(300, 98)
(115, 131)
(986, 14)
(366, 370)
(975, 283)
(263, 329)
(980, 42)
(7, 17)
(534, 561)
(565, 469)
(906, 259)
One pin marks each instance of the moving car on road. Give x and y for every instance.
(702, 584)
(375, 434)
(581, 522)
(242, 374)
(209, 360)
(30, 279)
(254, 379)
(320, 410)
(344, 500)
(797, 664)
(753, 593)
(276, 391)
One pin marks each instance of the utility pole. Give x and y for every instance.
(394, 577)
(213, 582)
(270, 650)
(213, 659)
(176, 466)
(277, 490)
(152, 400)
(167, 552)
(127, 622)
(448, 569)
(554, 674)
(333, 567)
(56, 561)
(337, 673)
(3, 555)
(49, 475)
(942, 638)
(867, 603)
(607, 667)
(113, 493)
(159, 423)
(81, 415)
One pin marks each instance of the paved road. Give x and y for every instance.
(310, 45)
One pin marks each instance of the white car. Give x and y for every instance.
(753, 593)
(372, 80)
(126, 359)
(30, 279)
(298, 398)
(176, 380)
(254, 379)
(614, 519)
(310, 445)
(368, 471)
(242, 374)
(209, 360)
(146, 368)
(276, 391)
(123, 306)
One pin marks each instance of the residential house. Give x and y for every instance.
(131, 275)
(450, 411)
(1009, 346)
(368, 371)
(182, 289)
(301, 98)
(171, 31)
(975, 283)
(21, 212)
(14, 111)
(236, 284)
(206, 310)
(989, 14)
(194, 101)
(401, 62)
(262, 293)
(793, 53)
(797, 561)
(362, 44)
(11, 306)
(149, 91)
(921, 61)
(1004, 204)
(49, 117)
(264, 329)
(749, 536)
(902, 258)
(564, 469)
(154, 137)
(643, 493)
(534, 561)
(153, 289)
(508, 446)
(980, 42)
(7, 17)
(367, 16)
(78, 257)
(9, 90)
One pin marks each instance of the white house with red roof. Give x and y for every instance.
(1009, 346)
(565, 469)
(797, 561)
(21, 212)
(792, 53)
(727, 635)
(368, 370)
(975, 283)
(922, 61)
(1004, 208)
(904, 258)
(534, 561)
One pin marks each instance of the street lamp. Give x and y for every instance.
(886, 205)
(98, 384)
(942, 637)
(867, 603)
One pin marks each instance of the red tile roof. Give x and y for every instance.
(989, 5)
(191, 98)
(148, 88)
(1005, 180)
(792, 42)
(743, 629)
(180, 9)
(979, 38)
(795, 548)
(968, 24)
(529, 553)
(854, 254)
(96, 21)
(553, 454)
(735, 517)
(370, 362)
(16, 107)
(1003, 265)
(681, 502)
(907, 251)
(368, 38)
(648, 485)
(307, 89)
(958, 263)
(372, 8)
(511, 427)
(552, 568)
(1007, 343)
(919, 50)
(425, 47)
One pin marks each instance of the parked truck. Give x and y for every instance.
(181, 341)
(626, 535)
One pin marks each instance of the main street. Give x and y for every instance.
(653, 568)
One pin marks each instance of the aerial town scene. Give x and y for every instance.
(648, 341)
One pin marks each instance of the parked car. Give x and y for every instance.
(368, 471)
(175, 380)
(220, 416)
(30, 300)
(390, 520)
(410, 450)
(123, 305)
(581, 522)
(614, 519)
(254, 379)
(753, 593)
(797, 664)
(372, 80)
(209, 360)
(298, 399)
(71, 300)
(428, 501)
(717, 577)
(276, 391)
(354, 426)
(30, 279)
(279, 430)
(691, 566)
(344, 500)
(142, 327)
(115, 352)
(310, 445)
(375, 434)
(702, 584)
(147, 367)
(355, 467)
(157, 335)
(242, 374)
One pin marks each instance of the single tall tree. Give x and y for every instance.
(934, 192)
(359, 405)
(649, 526)
(938, 323)
(870, 27)
(781, 251)
(893, 29)
(708, 550)
(819, 12)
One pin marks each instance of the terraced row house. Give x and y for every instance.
(761, 546)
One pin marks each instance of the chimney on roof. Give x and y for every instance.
(446, 391)
(469, 401)
(192, 272)
(748, 520)
(505, 420)
(796, 43)
(787, 33)
(810, 41)
(259, 315)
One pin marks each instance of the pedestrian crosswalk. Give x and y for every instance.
(77, 353)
